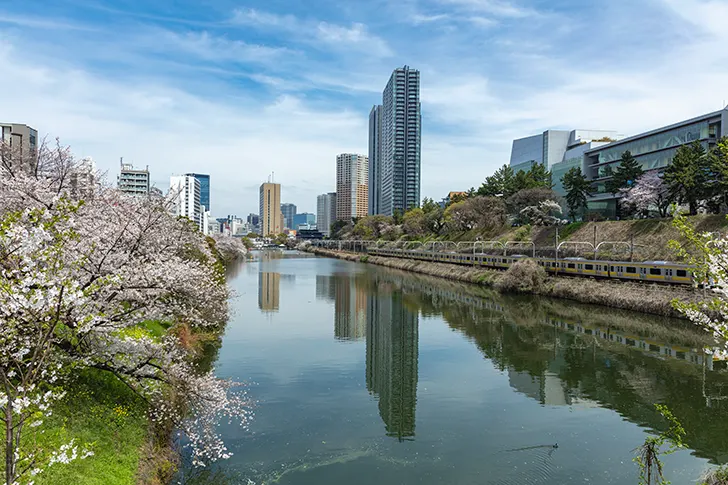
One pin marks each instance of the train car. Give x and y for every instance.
(647, 271)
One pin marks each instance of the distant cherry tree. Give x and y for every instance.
(648, 192)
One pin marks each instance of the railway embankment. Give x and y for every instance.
(652, 298)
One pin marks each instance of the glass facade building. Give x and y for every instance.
(401, 135)
(204, 189)
(653, 150)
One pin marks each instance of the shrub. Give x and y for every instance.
(716, 476)
(523, 276)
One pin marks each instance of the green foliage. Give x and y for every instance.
(414, 223)
(337, 228)
(688, 175)
(523, 233)
(570, 229)
(253, 235)
(628, 171)
(648, 454)
(371, 228)
(247, 242)
(578, 189)
(505, 182)
(718, 164)
(280, 239)
(364, 259)
(716, 476)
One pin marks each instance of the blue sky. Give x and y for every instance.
(239, 89)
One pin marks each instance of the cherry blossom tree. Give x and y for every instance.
(78, 280)
(546, 213)
(708, 253)
(648, 192)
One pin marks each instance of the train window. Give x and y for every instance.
(682, 273)
(578, 266)
(571, 265)
(612, 268)
(654, 348)
(680, 355)
(655, 271)
(589, 267)
(631, 269)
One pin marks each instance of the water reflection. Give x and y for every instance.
(392, 358)
(269, 291)
(561, 353)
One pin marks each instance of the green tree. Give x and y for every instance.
(434, 215)
(501, 183)
(648, 454)
(337, 227)
(687, 176)
(578, 190)
(414, 223)
(718, 165)
(540, 177)
(627, 173)
(397, 215)
(280, 239)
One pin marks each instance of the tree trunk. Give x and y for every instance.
(693, 207)
(9, 448)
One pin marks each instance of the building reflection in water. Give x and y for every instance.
(269, 288)
(349, 295)
(391, 355)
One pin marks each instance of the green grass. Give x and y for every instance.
(100, 411)
(569, 229)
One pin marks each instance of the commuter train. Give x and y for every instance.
(646, 271)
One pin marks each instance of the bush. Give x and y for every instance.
(524, 276)
(717, 476)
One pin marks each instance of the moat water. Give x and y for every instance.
(365, 375)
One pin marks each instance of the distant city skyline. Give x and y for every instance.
(239, 90)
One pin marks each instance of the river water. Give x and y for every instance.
(366, 375)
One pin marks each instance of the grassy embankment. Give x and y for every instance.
(100, 412)
(650, 236)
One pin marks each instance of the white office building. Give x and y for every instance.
(184, 191)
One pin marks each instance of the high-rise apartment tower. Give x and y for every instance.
(375, 159)
(325, 212)
(352, 186)
(398, 177)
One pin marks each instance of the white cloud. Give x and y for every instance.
(355, 36)
(333, 36)
(237, 139)
(495, 7)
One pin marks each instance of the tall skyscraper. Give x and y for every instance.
(375, 160)
(325, 212)
(184, 190)
(204, 189)
(401, 142)
(133, 181)
(289, 212)
(352, 186)
(271, 219)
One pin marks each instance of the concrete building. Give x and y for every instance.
(352, 186)
(305, 219)
(289, 212)
(654, 150)
(133, 181)
(375, 159)
(19, 145)
(399, 175)
(325, 212)
(271, 218)
(184, 191)
(204, 189)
